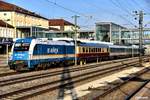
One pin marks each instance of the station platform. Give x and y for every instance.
(82, 90)
(3, 60)
(143, 94)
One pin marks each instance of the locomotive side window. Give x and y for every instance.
(80, 49)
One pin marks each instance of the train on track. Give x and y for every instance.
(36, 53)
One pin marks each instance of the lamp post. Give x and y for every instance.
(7, 43)
(75, 22)
(140, 36)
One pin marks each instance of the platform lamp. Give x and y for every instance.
(36, 29)
(7, 43)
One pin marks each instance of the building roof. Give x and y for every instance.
(4, 6)
(53, 29)
(59, 22)
(109, 23)
(4, 24)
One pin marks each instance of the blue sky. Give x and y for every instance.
(118, 11)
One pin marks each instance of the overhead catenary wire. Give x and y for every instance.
(67, 9)
(114, 14)
(141, 8)
(88, 17)
(118, 4)
(94, 18)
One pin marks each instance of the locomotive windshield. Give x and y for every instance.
(21, 46)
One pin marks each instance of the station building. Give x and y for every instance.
(117, 34)
(23, 21)
(60, 28)
(6, 36)
(61, 24)
(131, 36)
(109, 32)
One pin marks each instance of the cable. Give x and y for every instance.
(107, 11)
(73, 11)
(70, 10)
(118, 4)
(139, 5)
(81, 14)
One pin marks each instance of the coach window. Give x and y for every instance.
(89, 50)
(102, 49)
(92, 50)
(86, 49)
(80, 49)
(107, 49)
(99, 49)
(83, 49)
(96, 49)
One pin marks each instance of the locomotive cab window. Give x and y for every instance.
(21, 46)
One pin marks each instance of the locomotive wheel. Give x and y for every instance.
(84, 62)
(81, 62)
(36, 68)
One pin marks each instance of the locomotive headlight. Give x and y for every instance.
(10, 58)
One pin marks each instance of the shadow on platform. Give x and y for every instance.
(69, 87)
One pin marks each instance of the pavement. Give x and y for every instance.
(3, 60)
(82, 90)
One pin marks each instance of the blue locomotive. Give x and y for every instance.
(35, 53)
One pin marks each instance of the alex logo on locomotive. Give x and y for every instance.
(52, 50)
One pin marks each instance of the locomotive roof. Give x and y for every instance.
(26, 40)
(85, 42)
(43, 41)
(53, 42)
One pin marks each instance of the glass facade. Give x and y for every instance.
(111, 32)
(108, 32)
(132, 36)
(31, 31)
(103, 32)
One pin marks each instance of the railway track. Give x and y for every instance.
(27, 86)
(8, 73)
(142, 93)
(30, 76)
(125, 89)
